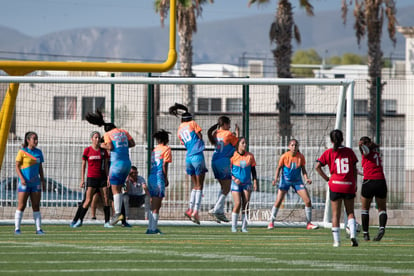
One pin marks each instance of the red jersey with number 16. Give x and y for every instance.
(341, 165)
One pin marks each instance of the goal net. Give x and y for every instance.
(55, 108)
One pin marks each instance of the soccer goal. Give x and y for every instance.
(55, 108)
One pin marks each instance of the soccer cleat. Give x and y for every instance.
(244, 230)
(271, 225)
(188, 213)
(17, 232)
(107, 225)
(213, 215)
(126, 224)
(380, 234)
(158, 231)
(72, 224)
(354, 242)
(77, 224)
(40, 232)
(366, 237)
(116, 218)
(195, 218)
(93, 218)
(336, 244)
(150, 232)
(233, 229)
(311, 226)
(221, 217)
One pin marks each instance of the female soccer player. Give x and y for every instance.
(118, 141)
(158, 178)
(242, 170)
(189, 133)
(374, 184)
(29, 169)
(96, 160)
(342, 183)
(224, 142)
(292, 166)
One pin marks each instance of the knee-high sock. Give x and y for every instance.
(192, 199)
(244, 221)
(198, 196)
(335, 234)
(107, 213)
(352, 228)
(219, 207)
(365, 220)
(38, 220)
(155, 221)
(118, 203)
(18, 219)
(308, 214)
(383, 219)
(234, 218)
(274, 213)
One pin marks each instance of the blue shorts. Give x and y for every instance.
(119, 171)
(31, 188)
(195, 164)
(156, 186)
(221, 168)
(242, 187)
(286, 186)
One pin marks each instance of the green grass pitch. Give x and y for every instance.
(195, 250)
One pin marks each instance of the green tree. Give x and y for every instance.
(187, 13)
(282, 31)
(369, 19)
(305, 57)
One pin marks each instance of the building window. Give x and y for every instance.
(361, 107)
(234, 105)
(64, 108)
(339, 76)
(390, 106)
(209, 104)
(91, 104)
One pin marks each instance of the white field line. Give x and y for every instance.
(313, 265)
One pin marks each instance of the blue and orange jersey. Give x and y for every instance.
(30, 160)
(241, 166)
(119, 139)
(291, 167)
(187, 133)
(225, 144)
(160, 155)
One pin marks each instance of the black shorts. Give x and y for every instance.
(374, 187)
(335, 196)
(136, 200)
(95, 182)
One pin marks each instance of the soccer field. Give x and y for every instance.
(195, 250)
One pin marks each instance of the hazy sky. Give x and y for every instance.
(39, 17)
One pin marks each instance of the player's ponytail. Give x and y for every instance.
(97, 119)
(185, 115)
(336, 138)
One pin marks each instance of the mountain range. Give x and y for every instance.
(225, 41)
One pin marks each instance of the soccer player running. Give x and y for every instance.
(290, 169)
(117, 141)
(342, 183)
(373, 184)
(224, 142)
(189, 133)
(158, 178)
(243, 169)
(96, 160)
(29, 169)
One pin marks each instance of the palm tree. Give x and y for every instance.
(187, 13)
(369, 19)
(282, 31)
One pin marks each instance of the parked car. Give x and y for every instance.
(55, 194)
